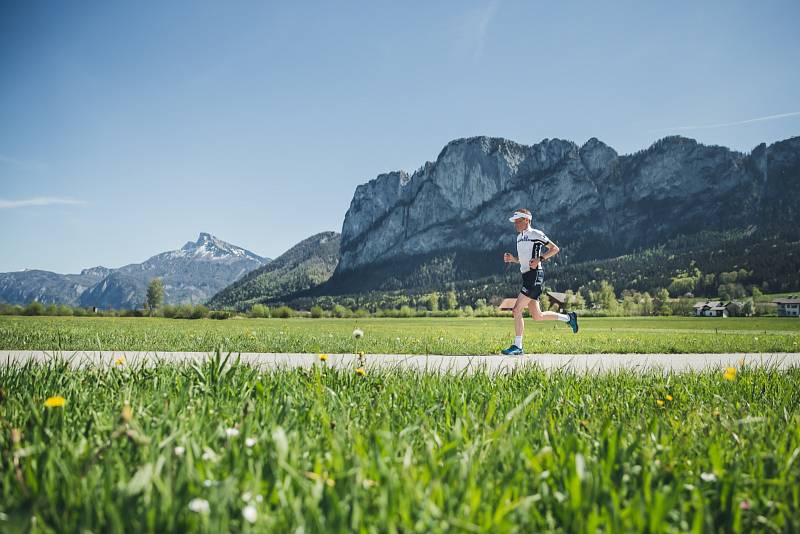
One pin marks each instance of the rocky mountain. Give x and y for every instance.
(22, 287)
(190, 274)
(304, 266)
(449, 218)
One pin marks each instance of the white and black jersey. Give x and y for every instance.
(529, 246)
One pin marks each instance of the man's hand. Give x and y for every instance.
(508, 258)
(534, 263)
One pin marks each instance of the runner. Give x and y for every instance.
(530, 242)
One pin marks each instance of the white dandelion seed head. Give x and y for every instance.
(231, 432)
(247, 496)
(249, 513)
(199, 506)
(179, 451)
(708, 477)
(250, 442)
(358, 333)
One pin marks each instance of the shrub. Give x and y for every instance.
(283, 312)
(34, 308)
(259, 311)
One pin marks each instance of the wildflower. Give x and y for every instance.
(708, 477)
(669, 398)
(16, 435)
(323, 357)
(127, 413)
(730, 373)
(250, 442)
(715, 413)
(246, 496)
(744, 505)
(259, 498)
(55, 402)
(199, 506)
(358, 333)
(209, 455)
(179, 451)
(119, 360)
(231, 432)
(324, 478)
(585, 423)
(660, 402)
(249, 513)
(208, 483)
(360, 371)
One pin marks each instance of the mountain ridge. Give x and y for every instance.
(190, 274)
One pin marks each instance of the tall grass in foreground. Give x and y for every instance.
(216, 447)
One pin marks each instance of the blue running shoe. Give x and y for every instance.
(573, 322)
(513, 350)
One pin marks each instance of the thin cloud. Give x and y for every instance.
(39, 201)
(726, 124)
(475, 27)
(23, 165)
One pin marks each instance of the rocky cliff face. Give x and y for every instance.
(591, 201)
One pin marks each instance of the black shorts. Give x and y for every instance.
(532, 283)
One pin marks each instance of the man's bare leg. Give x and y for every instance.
(538, 315)
(519, 320)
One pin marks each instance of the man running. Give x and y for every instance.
(530, 242)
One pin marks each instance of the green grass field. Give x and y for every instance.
(212, 448)
(403, 336)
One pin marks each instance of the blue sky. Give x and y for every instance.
(126, 128)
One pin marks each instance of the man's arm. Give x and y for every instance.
(552, 250)
(509, 258)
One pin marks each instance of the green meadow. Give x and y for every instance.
(402, 336)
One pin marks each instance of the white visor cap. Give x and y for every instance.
(520, 215)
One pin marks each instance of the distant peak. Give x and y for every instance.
(204, 237)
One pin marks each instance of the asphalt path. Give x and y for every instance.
(584, 363)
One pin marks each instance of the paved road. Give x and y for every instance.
(596, 363)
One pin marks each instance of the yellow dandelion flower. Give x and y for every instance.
(119, 360)
(660, 402)
(361, 371)
(730, 373)
(669, 398)
(55, 402)
(323, 357)
(127, 413)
